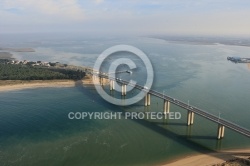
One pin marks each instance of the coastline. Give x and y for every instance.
(210, 159)
(13, 85)
(20, 85)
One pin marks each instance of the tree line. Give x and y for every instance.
(26, 72)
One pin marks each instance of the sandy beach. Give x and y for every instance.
(11, 85)
(211, 159)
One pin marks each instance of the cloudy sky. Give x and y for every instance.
(223, 17)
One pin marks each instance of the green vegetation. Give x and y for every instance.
(26, 72)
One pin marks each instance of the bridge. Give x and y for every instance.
(191, 110)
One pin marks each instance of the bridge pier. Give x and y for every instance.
(190, 118)
(112, 84)
(101, 80)
(124, 90)
(166, 107)
(147, 99)
(97, 79)
(221, 131)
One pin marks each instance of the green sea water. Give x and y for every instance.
(35, 128)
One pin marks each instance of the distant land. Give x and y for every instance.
(237, 41)
(5, 52)
(17, 49)
(6, 55)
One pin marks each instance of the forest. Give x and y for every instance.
(26, 72)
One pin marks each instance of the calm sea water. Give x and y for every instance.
(34, 124)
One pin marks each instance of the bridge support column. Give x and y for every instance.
(101, 81)
(148, 99)
(98, 79)
(166, 107)
(124, 89)
(190, 118)
(112, 84)
(221, 131)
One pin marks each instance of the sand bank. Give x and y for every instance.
(211, 159)
(19, 85)
(11, 85)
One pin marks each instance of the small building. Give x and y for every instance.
(16, 62)
(25, 62)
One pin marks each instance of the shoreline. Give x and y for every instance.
(14, 85)
(210, 159)
(20, 85)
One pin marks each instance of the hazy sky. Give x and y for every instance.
(224, 17)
